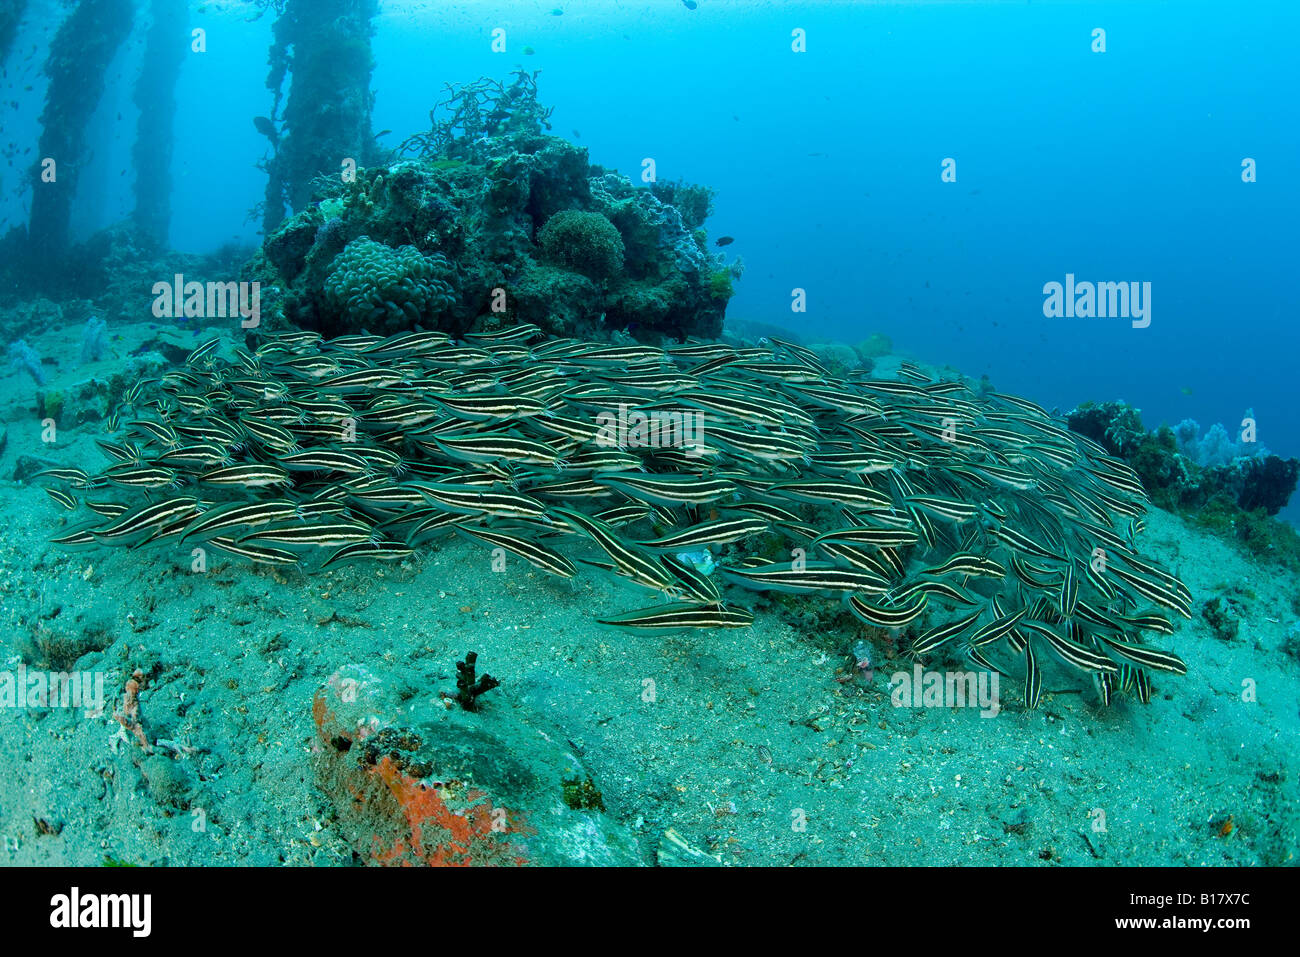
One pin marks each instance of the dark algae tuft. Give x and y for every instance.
(581, 794)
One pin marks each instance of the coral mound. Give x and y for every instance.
(584, 242)
(518, 225)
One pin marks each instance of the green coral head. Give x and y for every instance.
(721, 285)
(583, 242)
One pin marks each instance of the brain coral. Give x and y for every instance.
(584, 242)
(382, 288)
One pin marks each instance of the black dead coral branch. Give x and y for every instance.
(468, 687)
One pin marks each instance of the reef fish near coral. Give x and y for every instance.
(972, 519)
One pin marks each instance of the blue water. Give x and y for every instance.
(1115, 166)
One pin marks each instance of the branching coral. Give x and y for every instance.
(461, 124)
(469, 684)
(375, 285)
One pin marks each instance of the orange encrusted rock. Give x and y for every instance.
(417, 783)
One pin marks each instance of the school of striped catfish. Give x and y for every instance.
(970, 524)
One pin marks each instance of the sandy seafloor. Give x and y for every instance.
(749, 729)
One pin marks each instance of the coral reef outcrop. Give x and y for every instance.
(518, 225)
(1235, 497)
(1176, 480)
